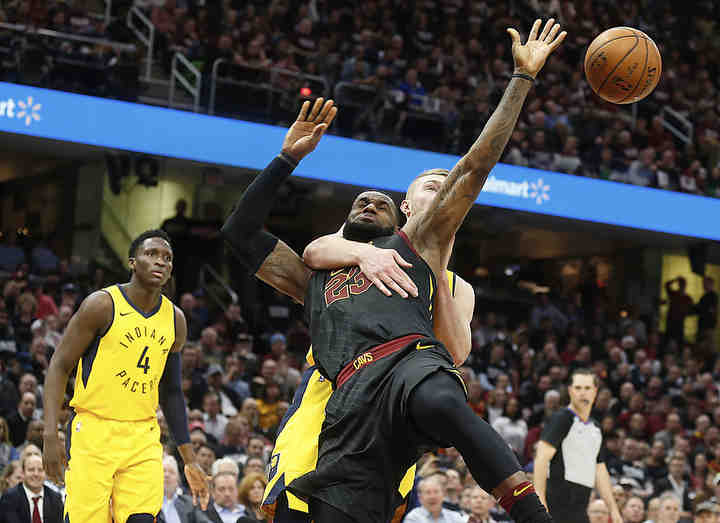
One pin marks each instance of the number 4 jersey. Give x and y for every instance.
(348, 315)
(118, 375)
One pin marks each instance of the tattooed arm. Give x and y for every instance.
(462, 186)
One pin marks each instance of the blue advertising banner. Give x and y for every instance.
(178, 134)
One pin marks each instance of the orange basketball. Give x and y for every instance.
(623, 65)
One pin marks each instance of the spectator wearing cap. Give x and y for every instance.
(70, 295)
(216, 383)
(215, 421)
(706, 512)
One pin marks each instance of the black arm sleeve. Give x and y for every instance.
(172, 400)
(557, 428)
(243, 230)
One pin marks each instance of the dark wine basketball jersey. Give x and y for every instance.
(348, 315)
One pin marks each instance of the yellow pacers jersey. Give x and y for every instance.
(296, 447)
(117, 377)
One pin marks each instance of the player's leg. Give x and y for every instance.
(438, 408)
(321, 512)
(138, 487)
(89, 475)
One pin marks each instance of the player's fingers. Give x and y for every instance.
(546, 29)
(514, 35)
(394, 286)
(534, 31)
(380, 285)
(325, 110)
(331, 116)
(553, 32)
(318, 131)
(406, 283)
(303, 111)
(401, 261)
(558, 40)
(315, 109)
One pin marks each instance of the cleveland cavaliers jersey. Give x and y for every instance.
(349, 315)
(118, 375)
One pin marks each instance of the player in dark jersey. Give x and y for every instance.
(390, 403)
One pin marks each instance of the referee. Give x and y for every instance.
(569, 461)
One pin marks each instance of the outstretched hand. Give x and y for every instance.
(530, 57)
(304, 135)
(199, 485)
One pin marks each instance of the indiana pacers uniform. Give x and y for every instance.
(113, 439)
(296, 448)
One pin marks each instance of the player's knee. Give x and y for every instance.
(141, 518)
(438, 394)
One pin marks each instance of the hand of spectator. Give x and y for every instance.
(384, 267)
(304, 135)
(530, 57)
(199, 484)
(53, 458)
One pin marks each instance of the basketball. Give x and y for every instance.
(623, 65)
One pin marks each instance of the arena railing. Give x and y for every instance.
(209, 280)
(354, 95)
(30, 31)
(274, 83)
(178, 74)
(667, 114)
(134, 17)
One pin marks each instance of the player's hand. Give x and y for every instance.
(54, 459)
(384, 267)
(530, 57)
(199, 484)
(304, 135)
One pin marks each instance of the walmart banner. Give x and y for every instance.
(178, 134)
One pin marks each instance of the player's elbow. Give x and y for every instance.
(312, 255)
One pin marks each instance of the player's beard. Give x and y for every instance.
(364, 232)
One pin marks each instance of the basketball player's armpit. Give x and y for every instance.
(172, 400)
(285, 271)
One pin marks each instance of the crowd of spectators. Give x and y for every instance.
(658, 402)
(429, 73)
(435, 70)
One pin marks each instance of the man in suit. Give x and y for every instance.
(177, 507)
(19, 420)
(31, 501)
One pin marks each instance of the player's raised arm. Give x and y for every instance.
(94, 315)
(263, 254)
(462, 186)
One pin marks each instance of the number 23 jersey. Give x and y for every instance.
(118, 375)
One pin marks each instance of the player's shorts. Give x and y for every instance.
(296, 449)
(368, 440)
(112, 459)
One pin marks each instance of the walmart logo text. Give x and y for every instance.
(536, 190)
(27, 109)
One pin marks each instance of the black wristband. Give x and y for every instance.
(524, 77)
